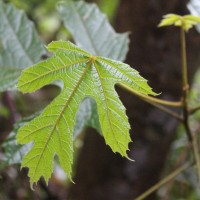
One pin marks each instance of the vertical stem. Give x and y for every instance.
(184, 60)
(185, 88)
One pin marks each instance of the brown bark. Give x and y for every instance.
(103, 175)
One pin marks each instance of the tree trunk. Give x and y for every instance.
(155, 53)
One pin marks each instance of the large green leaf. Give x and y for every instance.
(92, 31)
(19, 45)
(83, 75)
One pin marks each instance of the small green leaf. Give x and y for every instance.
(187, 21)
(168, 20)
(192, 18)
(83, 75)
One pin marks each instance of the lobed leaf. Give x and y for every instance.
(83, 75)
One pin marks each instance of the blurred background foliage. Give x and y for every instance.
(47, 20)
(49, 25)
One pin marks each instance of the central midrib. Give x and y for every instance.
(59, 117)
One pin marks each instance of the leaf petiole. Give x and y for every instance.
(152, 99)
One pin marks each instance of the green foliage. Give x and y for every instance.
(94, 34)
(19, 45)
(13, 153)
(187, 21)
(109, 7)
(98, 37)
(87, 116)
(83, 75)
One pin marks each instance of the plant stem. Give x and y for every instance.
(179, 161)
(152, 99)
(193, 110)
(166, 110)
(196, 154)
(185, 88)
(184, 59)
(163, 181)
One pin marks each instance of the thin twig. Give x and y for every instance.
(182, 157)
(193, 110)
(166, 110)
(164, 181)
(185, 120)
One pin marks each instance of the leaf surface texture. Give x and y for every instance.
(92, 31)
(83, 75)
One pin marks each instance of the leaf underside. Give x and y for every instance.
(19, 45)
(83, 75)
